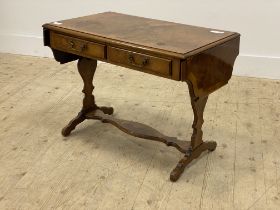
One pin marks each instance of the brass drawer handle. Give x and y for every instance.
(133, 63)
(80, 49)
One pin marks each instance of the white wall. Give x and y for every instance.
(256, 20)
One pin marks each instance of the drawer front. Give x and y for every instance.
(77, 46)
(146, 63)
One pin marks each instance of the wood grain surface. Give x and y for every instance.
(166, 36)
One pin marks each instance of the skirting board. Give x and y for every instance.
(24, 45)
(245, 65)
(257, 66)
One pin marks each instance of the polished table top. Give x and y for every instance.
(166, 36)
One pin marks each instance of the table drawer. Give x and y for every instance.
(140, 61)
(77, 46)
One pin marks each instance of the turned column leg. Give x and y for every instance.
(197, 144)
(86, 68)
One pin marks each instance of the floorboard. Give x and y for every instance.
(99, 167)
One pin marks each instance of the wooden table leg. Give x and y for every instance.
(86, 68)
(197, 144)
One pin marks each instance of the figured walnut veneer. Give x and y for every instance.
(201, 57)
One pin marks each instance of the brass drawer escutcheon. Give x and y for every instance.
(133, 63)
(78, 48)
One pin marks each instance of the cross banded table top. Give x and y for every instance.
(142, 32)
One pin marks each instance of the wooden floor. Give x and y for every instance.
(99, 167)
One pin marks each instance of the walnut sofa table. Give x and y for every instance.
(201, 57)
